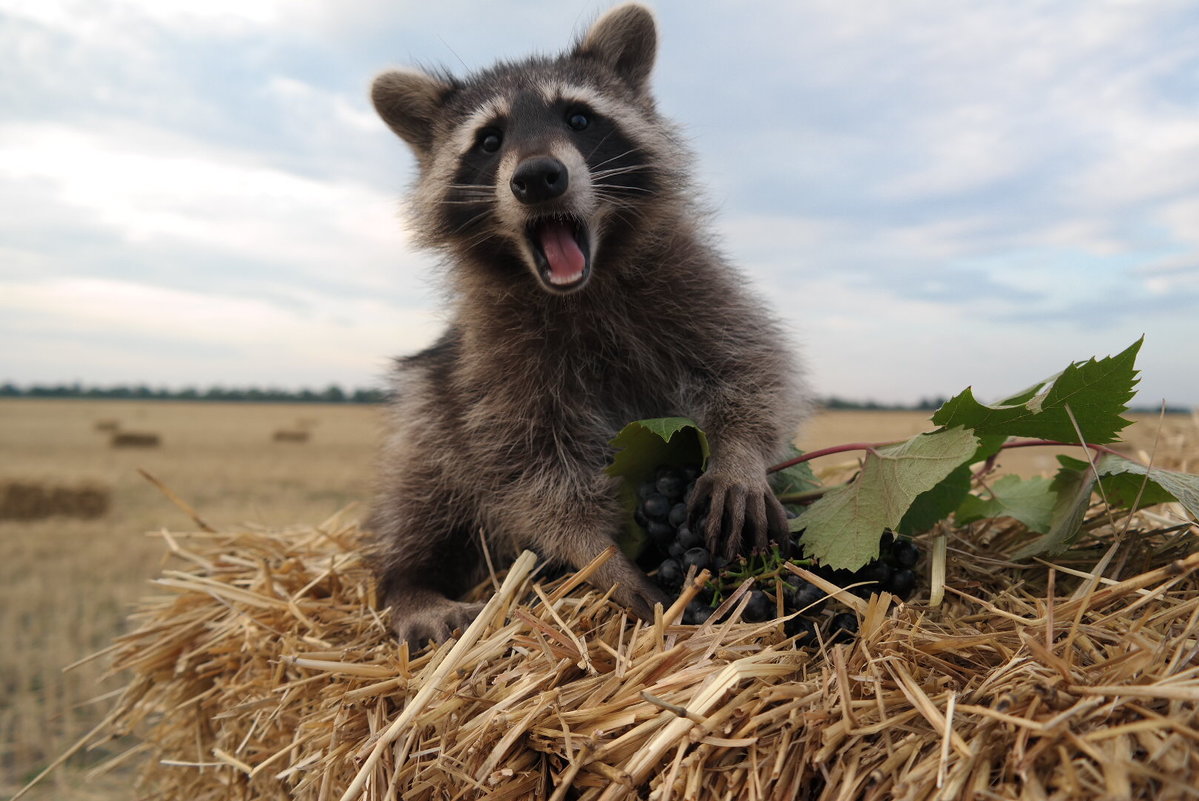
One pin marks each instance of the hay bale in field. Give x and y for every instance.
(108, 426)
(289, 435)
(135, 439)
(266, 671)
(27, 500)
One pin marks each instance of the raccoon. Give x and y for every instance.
(584, 292)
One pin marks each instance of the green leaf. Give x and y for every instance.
(1031, 501)
(793, 479)
(1072, 486)
(1096, 392)
(842, 528)
(1122, 481)
(936, 504)
(642, 446)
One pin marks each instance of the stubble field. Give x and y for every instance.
(66, 584)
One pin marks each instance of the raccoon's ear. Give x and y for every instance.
(625, 39)
(409, 102)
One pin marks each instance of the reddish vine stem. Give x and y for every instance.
(872, 446)
(853, 446)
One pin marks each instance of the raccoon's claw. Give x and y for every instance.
(734, 510)
(435, 619)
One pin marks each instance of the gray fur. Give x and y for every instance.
(502, 427)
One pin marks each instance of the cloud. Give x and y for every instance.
(133, 332)
(925, 187)
(145, 186)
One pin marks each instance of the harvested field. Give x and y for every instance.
(66, 584)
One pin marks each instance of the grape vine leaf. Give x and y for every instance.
(1031, 501)
(1073, 486)
(793, 479)
(1122, 483)
(1096, 392)
(842, 528)
(936, 504)
(642, 446)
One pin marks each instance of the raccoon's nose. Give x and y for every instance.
(539, 179)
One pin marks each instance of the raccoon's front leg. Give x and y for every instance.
(424, 560)
(574, 522)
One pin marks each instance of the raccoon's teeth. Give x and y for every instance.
(564, 257)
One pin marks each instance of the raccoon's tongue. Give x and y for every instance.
(562, 252)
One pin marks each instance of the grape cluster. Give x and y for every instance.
(674, 548)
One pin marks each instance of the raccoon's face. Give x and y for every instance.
(539, 162)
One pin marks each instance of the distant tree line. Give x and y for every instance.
(330, 394)
(335, 394)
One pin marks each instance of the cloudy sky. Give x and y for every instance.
(933, 194)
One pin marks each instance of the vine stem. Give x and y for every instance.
(874, 446)
(852, 446)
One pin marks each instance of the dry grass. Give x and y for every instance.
(65, 585)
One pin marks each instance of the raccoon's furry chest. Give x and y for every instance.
(556, 381)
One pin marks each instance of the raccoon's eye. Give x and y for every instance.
(577, 120)
(490, 140)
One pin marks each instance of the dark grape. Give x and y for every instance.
(656, 507)
(884, 542)
(676, 549)
(902, 582)
(690, 473)
(842, 627)
(877, 573)
(802, 626)
(646, 489)
(800, 595)
(905, 553)
(697, 612)
(759, 608)
(672, 486)
(678, 515)
(660, 533)
(688, 538)
(670, 574)
(698, 557)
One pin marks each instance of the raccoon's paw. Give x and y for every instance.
(634, 590)
(432, 619)
(736, 509)
(640, 599)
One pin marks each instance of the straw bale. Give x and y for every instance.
(31, 500)
(290, 435)
(135, 439)
(264, 670)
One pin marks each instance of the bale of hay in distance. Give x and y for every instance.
(266, 671)
(27, 500)
(290, 435)
(108, 426)
(135, 439)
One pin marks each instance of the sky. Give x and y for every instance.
(930, 194)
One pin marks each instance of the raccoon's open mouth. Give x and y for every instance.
(561, 249)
